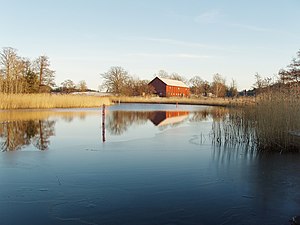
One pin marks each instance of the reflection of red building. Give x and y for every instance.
(170, 88)
(162, 118)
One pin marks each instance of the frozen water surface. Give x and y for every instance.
(148, 164)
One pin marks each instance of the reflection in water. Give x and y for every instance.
(45, 131)
(118, 122)
(16, 134)
(225, 154)
(23, 128)
(267, 183)
(164, 118)
(173, 173)
(26, 115)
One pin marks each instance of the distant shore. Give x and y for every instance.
(188, 101)
(48, 101)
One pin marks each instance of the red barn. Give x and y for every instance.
(169, 88)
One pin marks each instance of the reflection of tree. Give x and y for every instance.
(68, 118)
(13, 139)
(216, 113)
(199, 116)
(14, 135)
(45, 131)
(119, 121)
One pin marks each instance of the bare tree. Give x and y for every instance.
(162, 74)
(292, 73)
(19, 75)
(196, 85)
(233, 92)
(82, 86)
(219, 86)
(68, 86)
(176, 76)
(173, 76)
(9, 63)
(46, 75)
(259, 82)
(137, 87)
(262, 83)
(115, 80)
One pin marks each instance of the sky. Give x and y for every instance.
(84, 38)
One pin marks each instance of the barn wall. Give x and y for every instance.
(159, 86)
(177, 91)
(164, 90)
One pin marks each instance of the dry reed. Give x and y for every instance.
(47, 101)
(188, 101)
(271, 125)
(277, 120)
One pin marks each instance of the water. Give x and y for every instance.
(152, 164)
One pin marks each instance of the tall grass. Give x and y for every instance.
(271, 125)
(189, 101)
(277, 120)
(46, 101)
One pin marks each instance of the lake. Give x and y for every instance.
(141, 164)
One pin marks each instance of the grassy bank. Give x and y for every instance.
(47, 101)
(271, 125)
(188, 101)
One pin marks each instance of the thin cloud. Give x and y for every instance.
(176, 55)
(179, 43)
(211, 16)
(250, 27)
(176, 42)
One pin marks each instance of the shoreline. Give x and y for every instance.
(227, 102)
(49, 101)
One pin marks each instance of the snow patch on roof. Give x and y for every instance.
(171, 82)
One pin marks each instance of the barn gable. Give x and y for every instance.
(168, 87)
(175, 83)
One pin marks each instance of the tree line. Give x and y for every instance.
(22, 75)
(118, 81)
(286, 78)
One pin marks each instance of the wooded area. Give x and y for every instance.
(22, 75)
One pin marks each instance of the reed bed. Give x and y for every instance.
(277, 120)
(271, 125)
(188, 101)
(47, 101)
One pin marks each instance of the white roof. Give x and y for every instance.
(172, 120)
(170, 82)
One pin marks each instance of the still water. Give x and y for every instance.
(143, 164)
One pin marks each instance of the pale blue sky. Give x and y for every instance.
(84, 38)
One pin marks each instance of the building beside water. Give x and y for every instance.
(169, 88)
